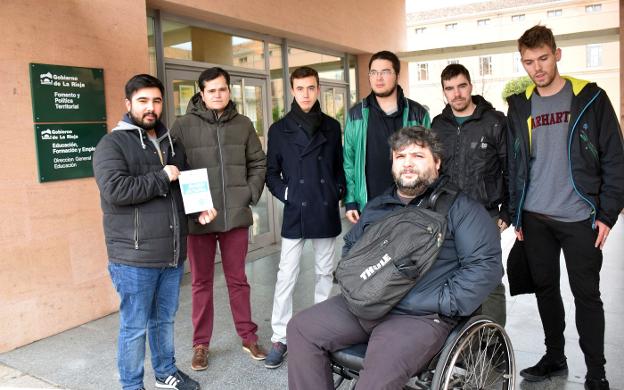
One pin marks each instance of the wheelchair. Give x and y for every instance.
(477, 355)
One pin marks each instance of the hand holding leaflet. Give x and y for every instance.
(195, 190)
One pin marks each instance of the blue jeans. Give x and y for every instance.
(149, 301)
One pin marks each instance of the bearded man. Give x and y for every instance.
(402, 342)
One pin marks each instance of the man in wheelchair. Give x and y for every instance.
(401, 343)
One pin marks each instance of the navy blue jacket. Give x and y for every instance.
(311, 169)
(468, 266)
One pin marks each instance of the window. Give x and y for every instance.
(594, 56)
(277, 81)
(423, 72)
(419, 30)
(186, 42)
(449, 62)
(328, 66)
(553, 13)
(593, 8)
(485, 66)
(483, 22)
(517, 18)
(151, 46)
(517, 63)
(451, 26)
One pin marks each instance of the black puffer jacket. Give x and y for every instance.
(475, 154)
(144, 220)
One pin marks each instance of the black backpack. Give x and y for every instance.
(393, 254)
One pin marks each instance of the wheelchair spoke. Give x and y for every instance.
(481, 361)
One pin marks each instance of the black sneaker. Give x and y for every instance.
(177, 381)
(596, 384)
(545, 369)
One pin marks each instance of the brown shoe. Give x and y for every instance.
(256, 351)
(200, 357)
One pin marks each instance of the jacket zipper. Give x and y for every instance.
(176, 230)
(136, 228)
(174, 221)
(594, 211)
(222, 176)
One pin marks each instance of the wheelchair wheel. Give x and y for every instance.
(479, 358)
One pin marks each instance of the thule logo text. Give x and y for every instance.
(369, 271)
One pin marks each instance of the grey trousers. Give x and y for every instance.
(399, 346)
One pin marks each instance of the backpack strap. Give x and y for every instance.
(443, 196)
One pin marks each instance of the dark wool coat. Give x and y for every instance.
(312, 171)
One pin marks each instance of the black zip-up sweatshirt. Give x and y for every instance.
(475, 155)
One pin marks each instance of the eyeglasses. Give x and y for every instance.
(384, 73)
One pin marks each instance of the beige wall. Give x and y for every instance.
(53, 265)
(356, 26)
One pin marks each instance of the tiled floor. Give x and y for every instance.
(84, 357)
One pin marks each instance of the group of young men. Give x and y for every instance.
(553, 168)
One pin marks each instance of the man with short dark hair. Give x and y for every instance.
(367, 160)
(224, 142)
(402, 342)
(566, 174)
(136, 168)
(474, 136)
(304, 171)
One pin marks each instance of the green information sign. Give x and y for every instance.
(65, 151)
(67, 93)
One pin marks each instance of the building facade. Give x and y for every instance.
(53, 272)
(483, 36)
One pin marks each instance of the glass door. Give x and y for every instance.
(251, 99)
(333, 102)
(180, 88)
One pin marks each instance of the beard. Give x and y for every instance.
(142, 122)
(386, 93)
(416, 186)
(460, 105)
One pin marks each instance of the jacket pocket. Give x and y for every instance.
(136, 228)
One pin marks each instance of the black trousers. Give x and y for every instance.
(399, 346)
(544, 239)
